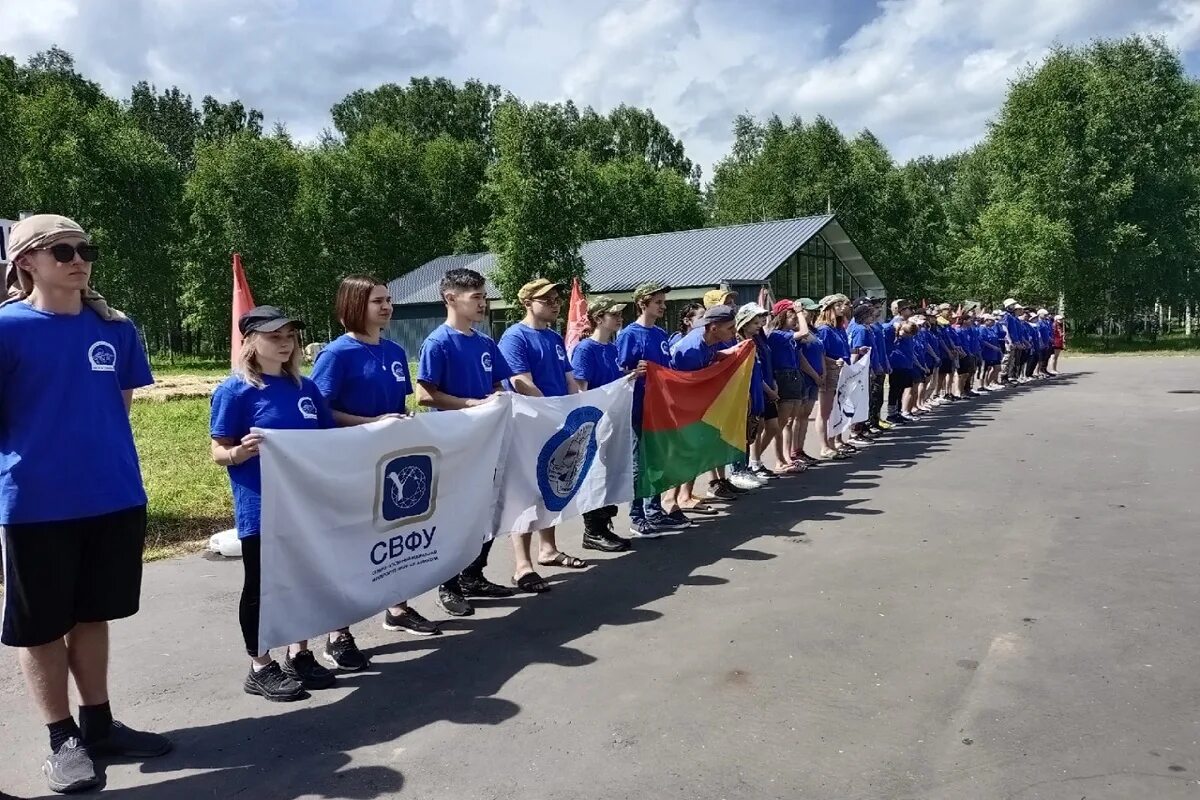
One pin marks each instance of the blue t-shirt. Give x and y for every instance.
(539, 351)
(691, 353)
(66, 447)
(902, 355)
(237, 406)
(814, 354)
(784, 353)
(758, 399)
(635, 343)
(366, 380)
(837, 345)
(879, 347)
(466, 365)
(595, 363)
(675, 337)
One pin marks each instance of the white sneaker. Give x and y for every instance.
(743, 481)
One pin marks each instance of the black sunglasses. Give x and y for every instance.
(65, 253)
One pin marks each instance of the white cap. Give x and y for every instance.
(1009, 302)
(1043, 312)
(1058, 317)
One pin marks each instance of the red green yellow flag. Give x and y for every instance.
(693, 421)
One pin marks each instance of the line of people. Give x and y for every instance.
(73, 505)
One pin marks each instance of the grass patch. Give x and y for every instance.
(189, 496)
(1091, 344)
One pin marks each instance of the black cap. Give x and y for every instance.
(265, 319)
(714, 316)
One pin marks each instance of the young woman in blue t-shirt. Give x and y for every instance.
(267, 390)
(364, 378)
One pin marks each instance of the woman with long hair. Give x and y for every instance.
(266, 390)
(364, 378)
(837, 354)
(787, 329)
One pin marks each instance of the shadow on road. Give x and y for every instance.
(305, 751)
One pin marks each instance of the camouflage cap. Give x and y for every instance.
(649, 288)
(604, 305)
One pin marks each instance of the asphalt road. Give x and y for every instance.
(1000, 602)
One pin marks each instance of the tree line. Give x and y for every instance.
(1085, 188)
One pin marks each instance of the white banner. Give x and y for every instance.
(567, 455)
(357, 519)
(852, 403)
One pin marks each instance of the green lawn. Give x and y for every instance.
(189, 494)
(1095, 345)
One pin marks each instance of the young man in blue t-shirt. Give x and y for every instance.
(460, 367)
(537, 357)
(72, 505)
(639, 343)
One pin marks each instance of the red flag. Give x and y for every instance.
(243, 301)
(764, 297)
(577, 316)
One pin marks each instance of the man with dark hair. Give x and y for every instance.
(72, 505)
(461, 368)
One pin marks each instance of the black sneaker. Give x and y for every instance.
(681, 519)
(304, 670)
(70, 768)
(271, 683)
(482, 587)
(604, 542)
(453, 603)
(124, 742)
(344, 654)
(761, 471)
(410, 621)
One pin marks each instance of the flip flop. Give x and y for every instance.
(700, 508)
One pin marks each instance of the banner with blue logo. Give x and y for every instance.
(567, 455)
(357, 519)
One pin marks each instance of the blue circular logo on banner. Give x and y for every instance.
(567, 456)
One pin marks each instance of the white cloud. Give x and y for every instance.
(924, 75)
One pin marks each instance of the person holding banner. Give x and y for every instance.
(364, 378)
(537, 358)
(638, 343)
(267, 390)
(72, 504)
(682, 499)
(594, 361)
(861, 340)
(460, 368)
(749, 322)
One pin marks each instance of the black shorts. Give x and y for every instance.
(946, 367)
(57, 574)
(966, 365)
(771, 410)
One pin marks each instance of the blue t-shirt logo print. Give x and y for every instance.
(405, 489)
(308, 409)
(103, 357)
(398, 371)
(567, 456)
(486, 360)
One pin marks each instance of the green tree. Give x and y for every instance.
(537, 193)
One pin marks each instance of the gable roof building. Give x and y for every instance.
(803, 257)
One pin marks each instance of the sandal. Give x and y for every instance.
(790, 469)
(561, 559)
(835, 455)
(532, 583)
(700, 507)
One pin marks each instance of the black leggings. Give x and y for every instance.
(596, 520)
(251, 591)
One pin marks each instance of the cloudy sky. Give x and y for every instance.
(924, 75)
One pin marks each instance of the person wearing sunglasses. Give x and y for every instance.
(72, 504)
(537, 356)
